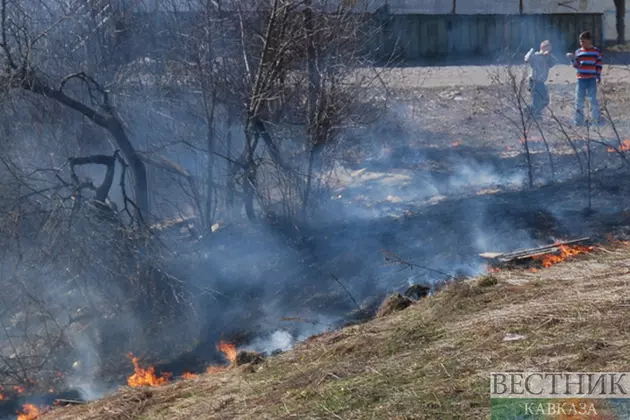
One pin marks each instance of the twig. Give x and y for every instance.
(349, 294)
(568, 139)
(390, 256)
(69, 402)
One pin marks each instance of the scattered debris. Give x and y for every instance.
(514, 337)
(417, 291)
(392, 304)
(62, 402)
(487, 281)
(547, 255)
(244, 357)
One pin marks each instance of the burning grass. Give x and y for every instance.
(624, 147)
(566, 251)
(430, 361)
(561, 253)
(29, 412)
(146, 377)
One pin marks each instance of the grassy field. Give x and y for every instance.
(429, 361)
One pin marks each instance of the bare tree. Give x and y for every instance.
(620, 7)
(23, 58)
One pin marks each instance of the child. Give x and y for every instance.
(588, 62)
(540, 62)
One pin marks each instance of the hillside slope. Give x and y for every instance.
(429, 361)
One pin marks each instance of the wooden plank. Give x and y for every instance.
(531, 252)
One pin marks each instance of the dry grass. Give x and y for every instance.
(431, 360)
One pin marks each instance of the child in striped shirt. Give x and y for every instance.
(588, 62)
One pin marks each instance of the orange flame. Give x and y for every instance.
(457, 143)
(230, 352)
(189, 375)
(215, 369)
(624, 147)
(145, 377)
(566, 251)
(29, 412)
(493, 269)
(18, 389)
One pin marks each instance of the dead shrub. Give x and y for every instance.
(393, 304)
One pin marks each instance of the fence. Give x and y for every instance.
(415, 37)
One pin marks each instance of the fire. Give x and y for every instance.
(624, 147)
(18, 389)
(189, 375)
(457, 143)
(493, 269)
(145, 377)
(215, 369)
(29, 412)
(566, 251)
(230, 352)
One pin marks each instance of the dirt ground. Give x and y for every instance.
(448, 76)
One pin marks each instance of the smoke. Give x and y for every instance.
(279, 340)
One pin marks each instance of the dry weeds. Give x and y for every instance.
(429, 361)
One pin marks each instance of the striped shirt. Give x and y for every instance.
(588, 63)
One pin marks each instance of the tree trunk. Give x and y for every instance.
(210, 107)
(620, 6)
(232, 167)
(249, 181)
(309, 180)
(210, 181)
(314, 90)
(115, 128)
(311, 60)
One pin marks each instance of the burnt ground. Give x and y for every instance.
(444, 178)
